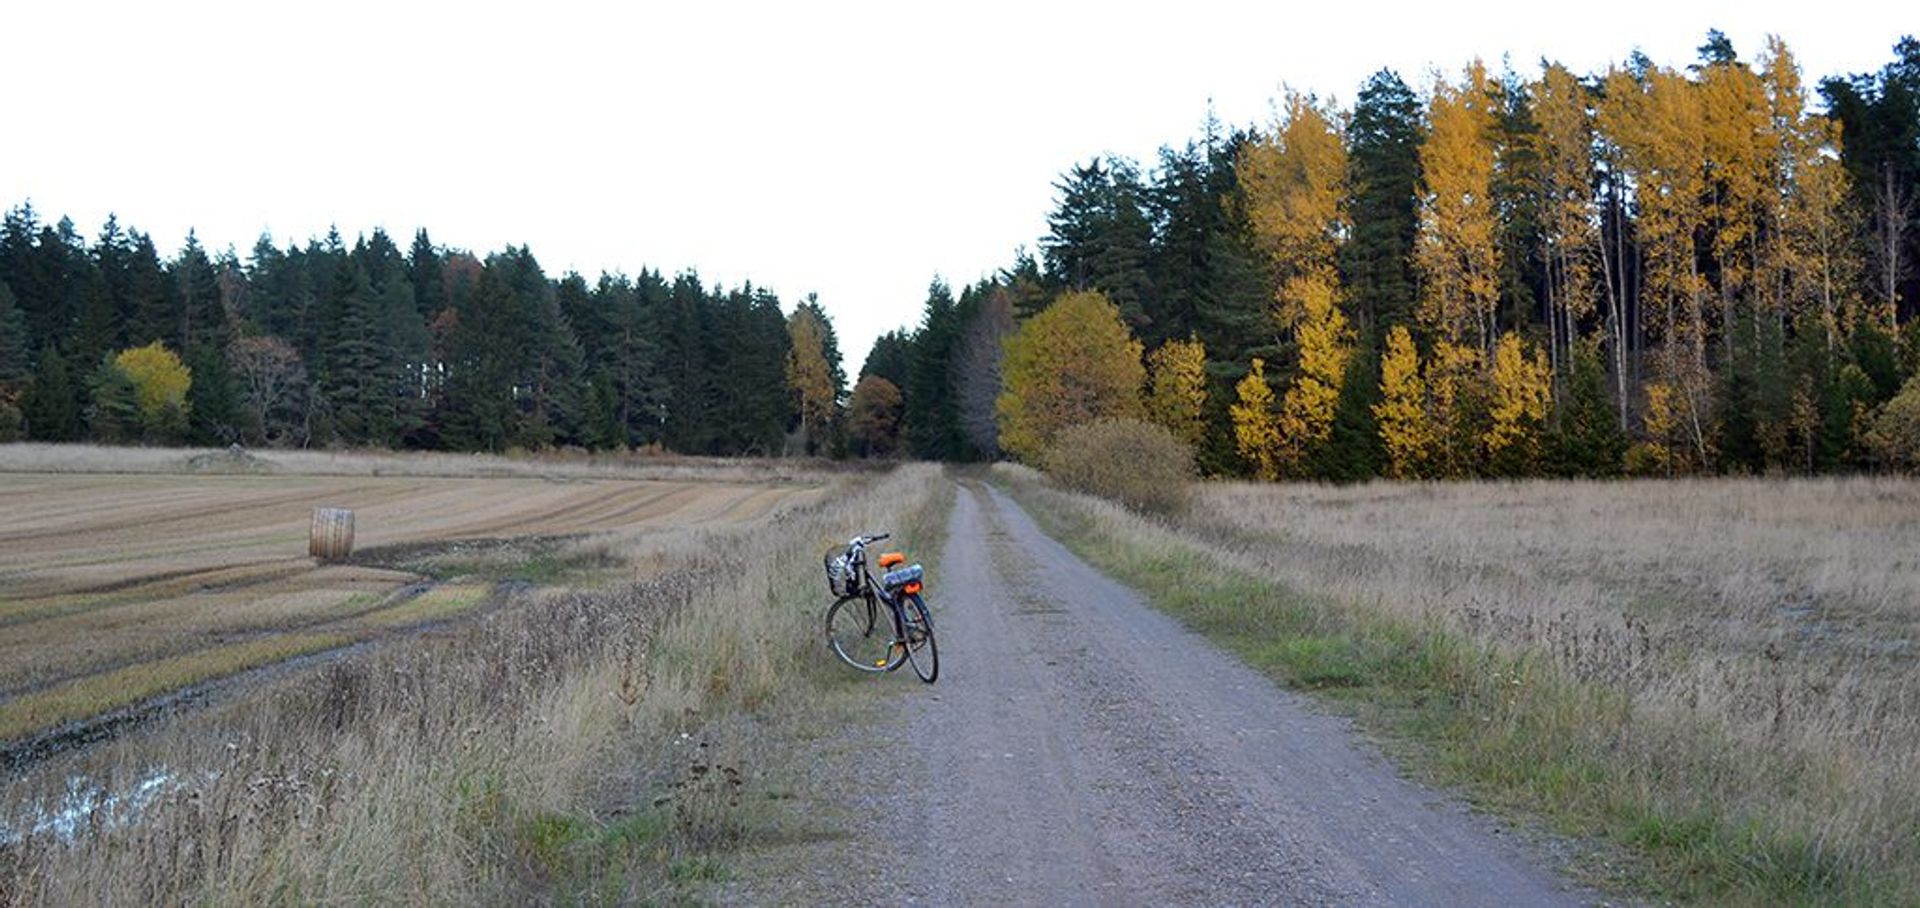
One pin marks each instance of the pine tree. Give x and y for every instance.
(213, 400)
(1100, 237)
(200, 316)
(113, 413)
(1353, 451)
(891, 357)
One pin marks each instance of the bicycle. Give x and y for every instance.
(855, 631)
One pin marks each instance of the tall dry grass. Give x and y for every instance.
(516, 758)
(1727, 670)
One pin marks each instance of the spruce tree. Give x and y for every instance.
(213, 400)
(1353, 451)
(1585, 438)
(14, 364)
(52, 405)
(890, 357)
(113, 409)
(200, 316)
(1383, 162)
(933, 430)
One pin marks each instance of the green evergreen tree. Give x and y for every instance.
(1383, 166)
(113, 411)
(1584, 436)
(891, 358)
(1353, 452)
(200, 313)
(1100, 237)
(213, 400)
(148, 303)
(14, 363)
(932, 421)
(52, 404)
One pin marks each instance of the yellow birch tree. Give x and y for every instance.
(1569, 234)
(1402, 411)
(1325, 345)
(1256, 434)
(1075, 362)
(1293, 188)
(1177, 389)
(1456, 251)
(1454, 387)
(1522, 387)
(809, 377)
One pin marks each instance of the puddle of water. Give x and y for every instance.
(87, 803)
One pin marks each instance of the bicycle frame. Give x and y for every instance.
(870, 590)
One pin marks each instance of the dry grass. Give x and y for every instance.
(1722, 674)
(515, 758)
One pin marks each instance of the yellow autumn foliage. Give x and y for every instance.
(1456, 250)
(1405, 431)
(160, 381)
(1256, 433)
(1522, 388)
(1074, 363)
(1177, 389)
(1453, 377)
(809, 377)
(1322, 336)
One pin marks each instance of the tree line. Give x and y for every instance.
(1649, 269)
(370, 345)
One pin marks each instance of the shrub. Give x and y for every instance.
(1894, 437)
(1140, 465)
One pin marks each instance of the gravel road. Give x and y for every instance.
(1083, 748)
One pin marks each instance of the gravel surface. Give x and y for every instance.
(1083, 748)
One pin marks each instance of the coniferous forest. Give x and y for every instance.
(1711, 267)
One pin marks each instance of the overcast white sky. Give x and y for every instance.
(853, 150)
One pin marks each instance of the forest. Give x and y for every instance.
(1650, 270)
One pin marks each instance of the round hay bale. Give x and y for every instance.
(332, 536)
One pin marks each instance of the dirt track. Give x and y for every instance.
(1082, 748)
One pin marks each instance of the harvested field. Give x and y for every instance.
(115, 587)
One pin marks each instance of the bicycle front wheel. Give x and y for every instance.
(860, 632)
(921, 650)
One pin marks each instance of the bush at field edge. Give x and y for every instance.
(1138, 464)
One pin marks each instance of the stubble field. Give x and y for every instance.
(116, 587)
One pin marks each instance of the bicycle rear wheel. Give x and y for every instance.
(921, 650)
(860, 632)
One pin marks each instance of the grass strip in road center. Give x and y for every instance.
(1515, 735)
